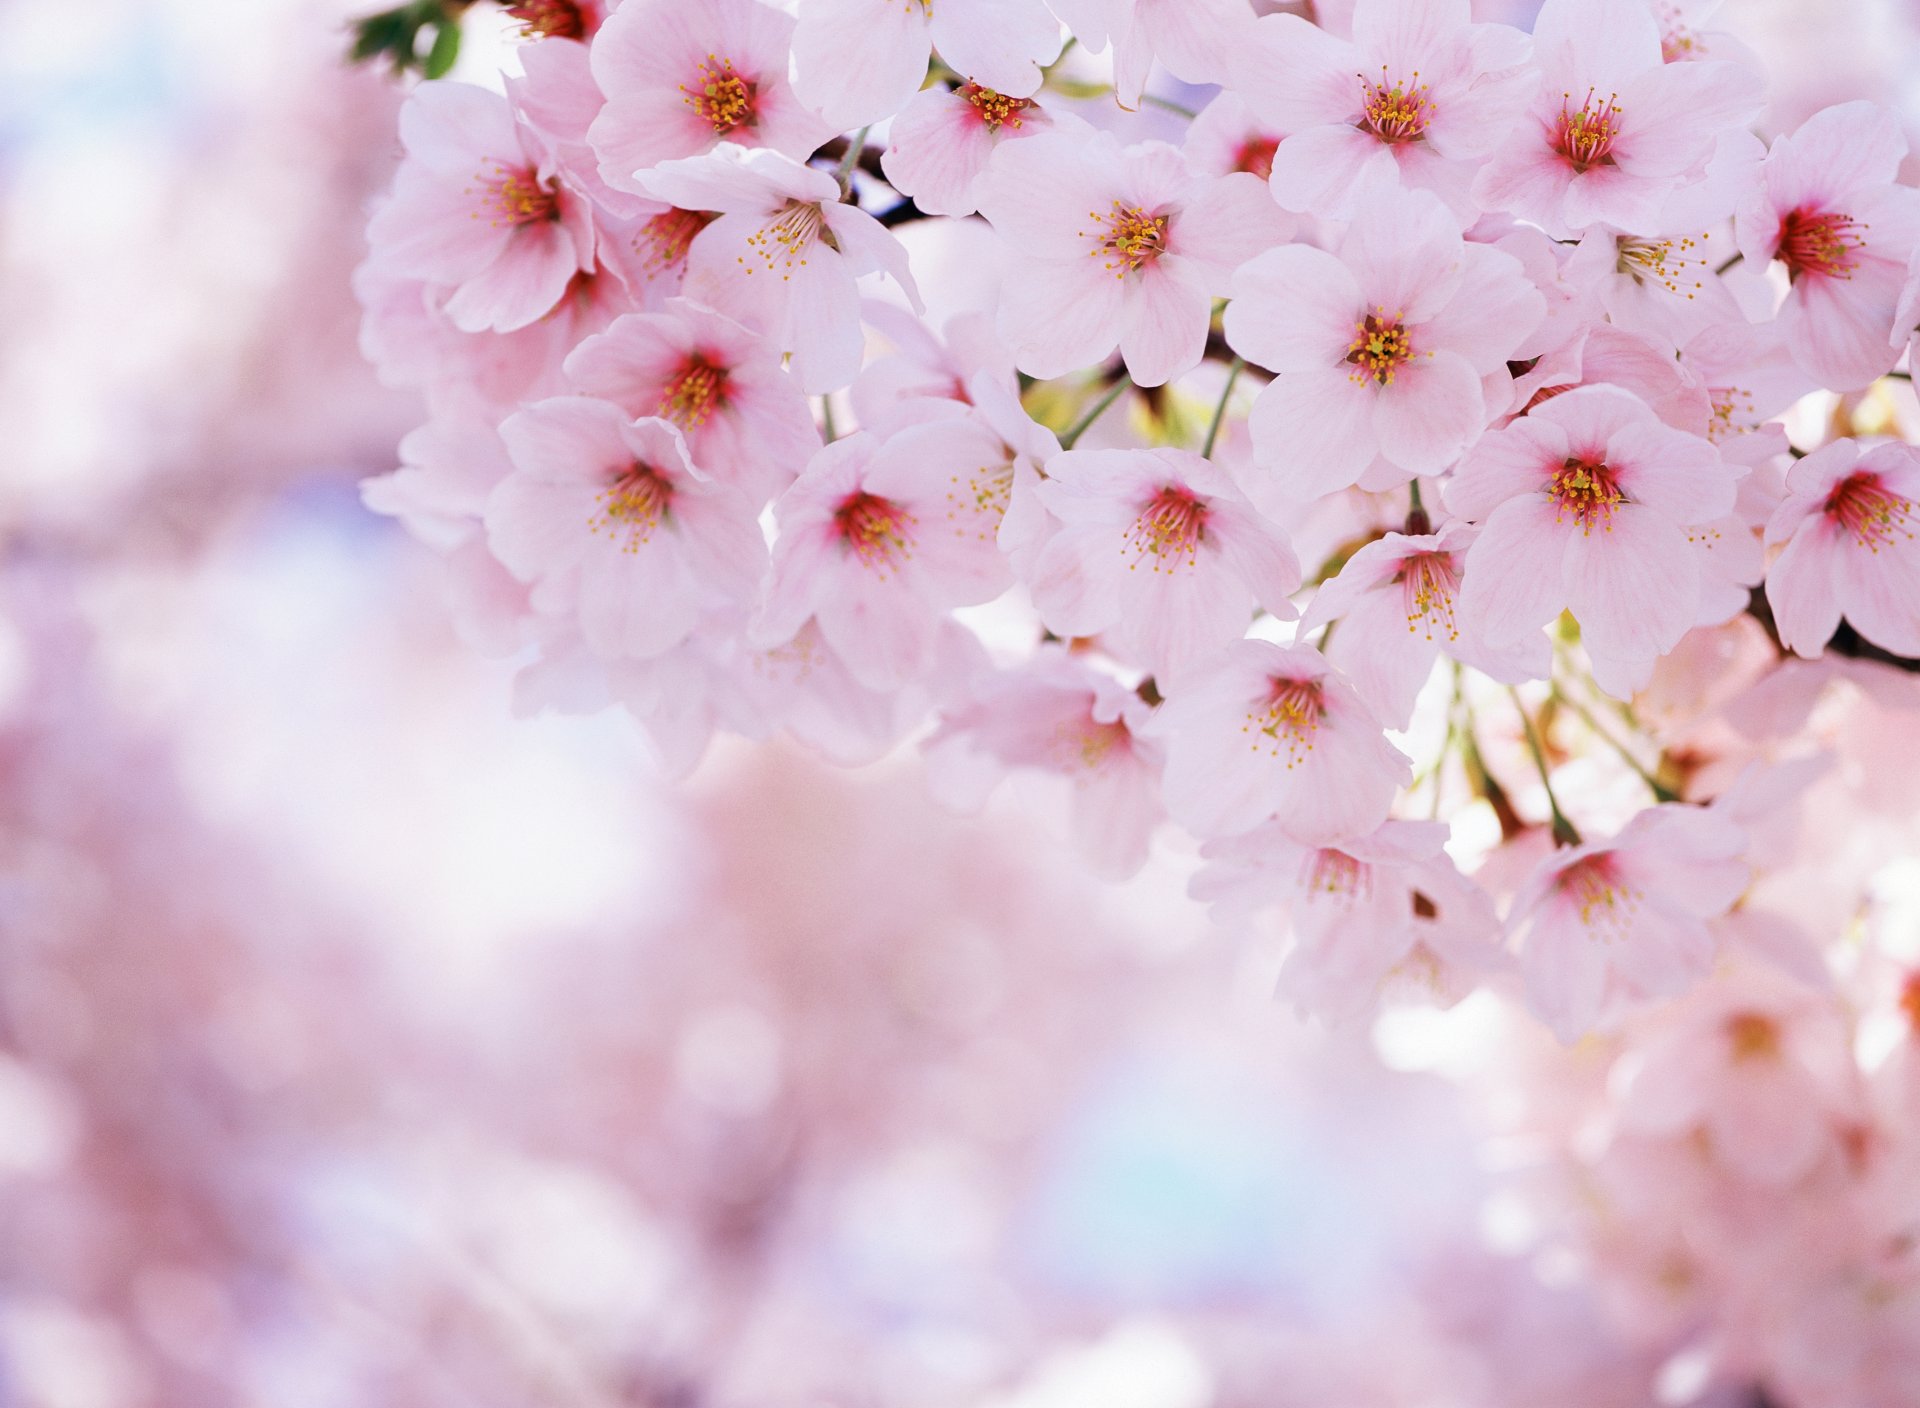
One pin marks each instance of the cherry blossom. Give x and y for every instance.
(1116, 248)
(944, 137)
(1847, 525)
(1585, 505)
(1382, 348)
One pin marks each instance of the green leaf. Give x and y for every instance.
(446, 48)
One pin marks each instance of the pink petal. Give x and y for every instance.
(1059, 315)
(1314, 431)
(1430, 413)
(857, 61)
(1632, 585)
(1319, 169)
(1167, 311)
(1514, 576)
(1294, 309)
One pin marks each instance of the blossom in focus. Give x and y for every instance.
(1847, 526)
(1382, 348)
(1112, 247)
(944, 137)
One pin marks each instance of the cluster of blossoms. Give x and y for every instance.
(1385, 483)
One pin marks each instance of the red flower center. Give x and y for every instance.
(555, 19)
(876, 530)
(1256, 156)
(694, 393)
(1873, 513)
(1819, 242)
(1167, 533)
(517, 196)
(1588, 490)
(995, 110)
(1289, 719)
(632, 505)
(1395, 111)
(1127, 237)
(1380, 345)
(1598, 895)
(720, 96)
(1585, 135)
(1430, 585)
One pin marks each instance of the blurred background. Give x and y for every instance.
(361, 1045)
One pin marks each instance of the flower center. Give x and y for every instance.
(1336, 875)
(664, 239)
(1394, 111)
(979, 501)
(516, 196)
(1256, 156)
(632, 506)
(1167, 533)
(720, 96)
(1733, 412)
(1380, 345)
(877, 531)
(1910, 1001)
(1874, 514)
(1127, 237)
(1289, 720)
(1429, 585)
(995, 109)
(783, 242)
(1666, 262)
(1087, 743)
(1598, 895)
(1753, 1036)
(1588, 491)
(1819, 242)
(1585, 136)
(556, 19)
(691, 396)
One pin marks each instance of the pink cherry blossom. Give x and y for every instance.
(1396, 601)
(876, 543)
(1380, 348)
(784, 254)
(857, 61)
(479, 210)
(1229, 136)
(680, 79)
(943, 138)
(1110, 247)
(745, 422)
(1829, 211)
(1608, 925)
(1271, 731)
(1420, 96)
(1612, 128)
(609, 515)
(1585, 505)
(1848, 525)
(1194, 39)
(1058, 716)
(1383, 915)
(1158, 552)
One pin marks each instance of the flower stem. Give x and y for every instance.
(826, 416)
(1168, 105)
(843, 173)
(1564, 833)
(1661, 792)
(1079, 427)
(1220, 411)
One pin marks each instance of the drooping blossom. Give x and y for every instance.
(681, 79)
(875, 544)
(942, 140)
(479, 210)
(1612, 128)
(1397, 604)
(858, 61)
(1848, 527)
(1420, 96)
(1269, 731)
(609, 516)
(745, 421)
(1585, 504)
(1157, 552)
(785, 254)
(1382, 915)
(1116, 248)
(1829, 210)
(1058, 716)
(1603, 927)
(1381, 348)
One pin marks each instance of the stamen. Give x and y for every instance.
(664, 239)
(632, 506)
(1873, 513)
(1585, 137)
(691, 396)
(1167, 533)
(978, 503)
(1336, 875)
(1289, 720)
(1127, 237)
(1380, 345)
(877, 531)
(514, 196)
(1819, 242)
(1666, 262)
(1753, 1036)
(556, 19)
(1430, 585)
(783, 242)
(996, 109)
(720, 96)
(1603, 901)
(1086, 743)
(1394, 111)
(1586, 490)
